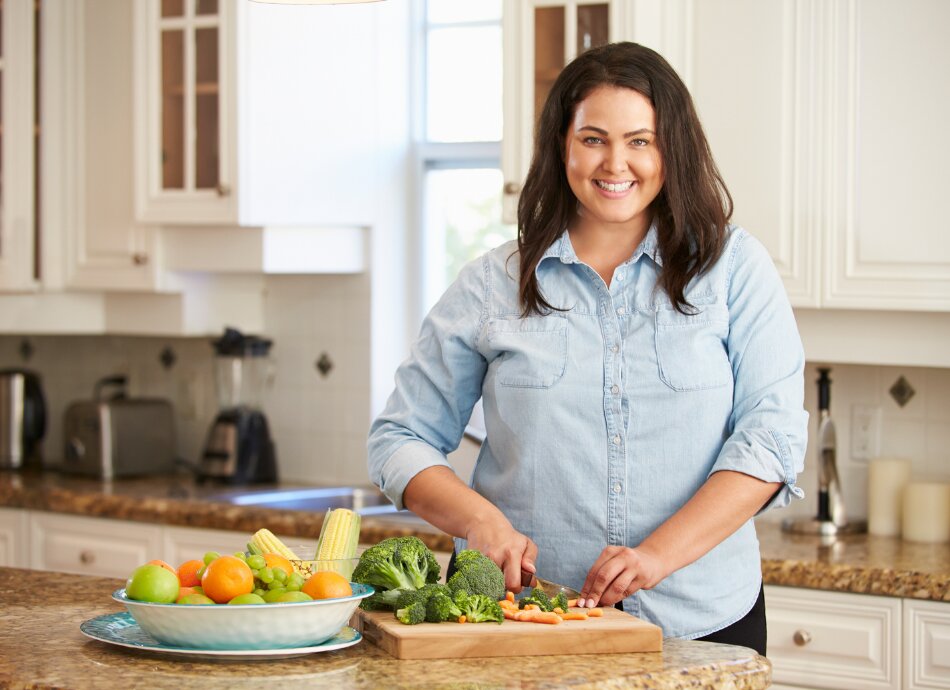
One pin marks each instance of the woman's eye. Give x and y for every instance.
(640, 142)
(593, 140)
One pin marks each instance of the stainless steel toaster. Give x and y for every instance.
(121, 437)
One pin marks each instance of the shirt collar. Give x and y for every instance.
(562, 249)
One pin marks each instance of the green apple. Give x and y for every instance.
(194, 599)
(152, 583)
(249, 598)
(293, 596)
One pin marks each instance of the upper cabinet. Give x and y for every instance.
(254, 114)
(19, 144)
(828, 127)
(540, 37)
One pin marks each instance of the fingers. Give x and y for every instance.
(613, 577)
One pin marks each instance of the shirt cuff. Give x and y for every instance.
(765, 455)
(406, 462)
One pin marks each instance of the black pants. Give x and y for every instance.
(748, 631)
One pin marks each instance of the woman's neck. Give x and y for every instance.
(604, 247)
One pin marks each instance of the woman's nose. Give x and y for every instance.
(616, 160)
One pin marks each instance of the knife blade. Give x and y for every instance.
(552, 589)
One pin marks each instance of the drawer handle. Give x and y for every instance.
(801, 638)
(87, 557)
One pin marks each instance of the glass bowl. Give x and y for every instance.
(245, 626)
(343, 566)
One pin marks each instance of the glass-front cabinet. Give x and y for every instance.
(540, 38)
(183, 118)
(19, 145)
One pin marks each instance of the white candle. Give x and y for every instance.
(926, 512)
(887, 478)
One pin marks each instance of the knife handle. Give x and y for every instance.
(824, 389)
(527, 578)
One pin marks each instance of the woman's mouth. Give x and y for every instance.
(614, 187)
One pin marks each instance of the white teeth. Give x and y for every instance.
(610, 187)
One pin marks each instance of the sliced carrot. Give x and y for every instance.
(574, 616)
(510, 596)
(538, 616)
(571, 603)
(510, 614)
(532, 607)
(558, 609)
(462, 619)
(596, 613)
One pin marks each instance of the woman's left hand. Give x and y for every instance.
(617, 573)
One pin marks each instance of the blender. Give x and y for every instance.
(239, 448)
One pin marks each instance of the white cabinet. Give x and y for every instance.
(799, 100)
(19, 132)
(91, 546)
(253, 114)
(926, 645)
(14, 538)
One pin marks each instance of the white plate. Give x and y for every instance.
(122, 630)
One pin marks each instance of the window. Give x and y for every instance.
(460, 139)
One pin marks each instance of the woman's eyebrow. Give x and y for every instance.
(603, 132)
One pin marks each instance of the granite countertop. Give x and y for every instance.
(41, 647)
(860, 564)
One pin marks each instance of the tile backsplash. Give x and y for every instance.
(319, 421)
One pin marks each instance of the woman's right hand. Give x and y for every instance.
(510, 549)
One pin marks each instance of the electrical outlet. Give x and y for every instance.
(865, 431)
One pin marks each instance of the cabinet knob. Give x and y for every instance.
(87, 557)
(512, 188)
(801, 638)
(140, 258)
(224, 190)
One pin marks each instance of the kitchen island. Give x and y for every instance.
(41, 647)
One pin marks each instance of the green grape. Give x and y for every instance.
(292, 587)
(241, 555)
(201, 571)
(280, 575)
(266, 575)
(273, 594)
(260, 591)
(275, 585)
(210, 556)
(256, 562)
(296, 579)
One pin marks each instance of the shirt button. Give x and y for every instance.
(616, 440)
(620, 276)
(615, 348)
(615, 389)
(621, 311)
(617, 488)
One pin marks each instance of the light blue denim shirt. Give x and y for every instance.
(604, 419)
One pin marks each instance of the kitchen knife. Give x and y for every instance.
(552, 589)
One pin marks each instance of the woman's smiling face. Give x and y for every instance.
(612, 160)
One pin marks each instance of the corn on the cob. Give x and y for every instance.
(265, 541)
(339, 535)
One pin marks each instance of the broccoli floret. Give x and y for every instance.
(398, 563)
(411, 596)
(441, 607)
(560, 602)
(477, 574)
(478, 608)
(412, 614)
(539, 597)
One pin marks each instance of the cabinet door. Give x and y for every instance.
(184, 141)
(14, 538)
(926, 645)
(833, 640)
(754, 70)
(19, 132)
(887, 245)
(540, 37)
(91, 546)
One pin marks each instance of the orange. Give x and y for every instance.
(188, 573)
(327, 585)
(274, 560)
(225, 578)
(163, 564)
(182, 591)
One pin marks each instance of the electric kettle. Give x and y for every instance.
(22, 418)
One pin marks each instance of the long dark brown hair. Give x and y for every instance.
(691, 210)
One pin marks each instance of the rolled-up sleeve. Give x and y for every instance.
(436, 388)
(769, 425)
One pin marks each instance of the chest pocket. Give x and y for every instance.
(532, 352)
(690, 348)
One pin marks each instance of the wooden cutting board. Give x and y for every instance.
(615, 632)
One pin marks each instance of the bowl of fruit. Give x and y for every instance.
(251, 600)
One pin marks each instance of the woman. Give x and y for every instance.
(639, 364)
